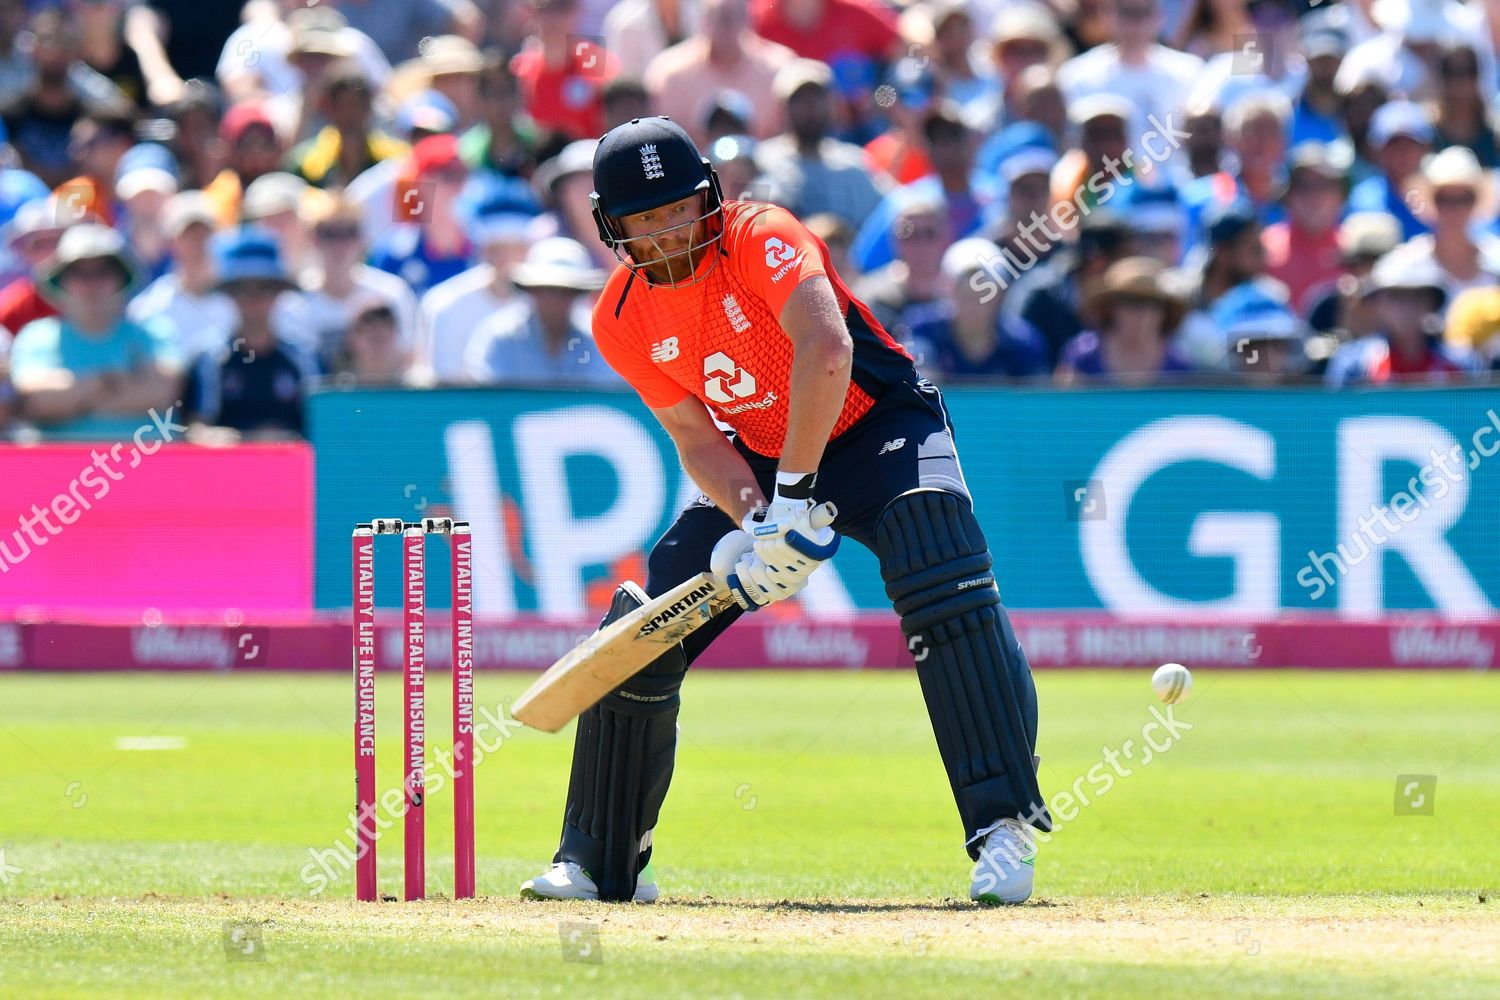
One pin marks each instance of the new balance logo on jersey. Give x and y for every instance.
(665, 350)
(896, 444)
(735, 315)
(651, 163)
(724, 381)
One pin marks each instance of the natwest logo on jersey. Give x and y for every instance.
(780, 257)
(724, 381)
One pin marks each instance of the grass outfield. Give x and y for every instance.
(155, 828)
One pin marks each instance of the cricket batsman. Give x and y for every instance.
(781, 391)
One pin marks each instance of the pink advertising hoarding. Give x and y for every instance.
(90, 531)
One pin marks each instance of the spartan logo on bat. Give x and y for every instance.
(724, 381)
(676, 609)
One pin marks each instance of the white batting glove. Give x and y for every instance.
(754, 584)
(723, 564)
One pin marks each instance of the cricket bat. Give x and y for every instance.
(625, 647)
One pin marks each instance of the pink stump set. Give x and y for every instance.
(414, 667)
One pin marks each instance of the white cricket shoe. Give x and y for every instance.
(1006, 867)
(566, 880)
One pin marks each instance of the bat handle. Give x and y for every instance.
(822, 515)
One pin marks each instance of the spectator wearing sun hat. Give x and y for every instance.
(256, 383)
(1401, 134)
(146, 177)
(547, 341)
(1457, 198)
(31, 236)
(90, 372)
(501, 226)
(1302, 252)
(967, 334)
(1407, 346)
(1343, 312)
(1135, 312)
(375, 190)
(446, 64)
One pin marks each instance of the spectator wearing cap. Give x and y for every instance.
(17, 188)
(1462, 113)
(349, 144)
(1361, 99)
(825, 29)
(373, 352)
(277, 203)
(188, 296)
(1157, 222)
(1135, 313)
(256, 383)
(949, 144)
(1234, 254)
(637, 31)
(62, 91)
(1265, 341)
(1137, 68)
(1022, 36)
(505, 140)
(565, 183)
(1026, 194)
(899, 154)
(90, 372)
(547, 340)
(1412, 35)
(1255, 131)
(254, 150)
(967, 334)
(32, 236)
(144, 180)
(1457, 197)
(561, 80)
(807, 170)
(375, 189)
(450, 65)
(429, 245)
(1019, 137)
(338, 279)
(194, 138)
(1323, 42)
(1302, 252)
(1269, 63)
(501, 227)
(1401, 134)
(921, 233)
(271, 55)
(97, 146)
(1408, 345)
(1343, 311)
(1050, 294)
(1089, 173)
(729, 113)
(398, 26)
(723, 54)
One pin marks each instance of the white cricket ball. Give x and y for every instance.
(1172, 683)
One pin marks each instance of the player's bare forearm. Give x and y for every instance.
(709, 458)
(821, 365)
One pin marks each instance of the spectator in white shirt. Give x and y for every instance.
(501, 229)
(1152, 77)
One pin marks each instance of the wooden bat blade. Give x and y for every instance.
(619, 651)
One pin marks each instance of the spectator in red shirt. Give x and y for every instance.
(33, 235)
(1303, 252)
(562, 81)
(827, 29)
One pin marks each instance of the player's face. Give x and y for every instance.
(667, 241)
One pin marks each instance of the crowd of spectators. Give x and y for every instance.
(221, 203)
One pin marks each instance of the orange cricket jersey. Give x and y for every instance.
(721, 339)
